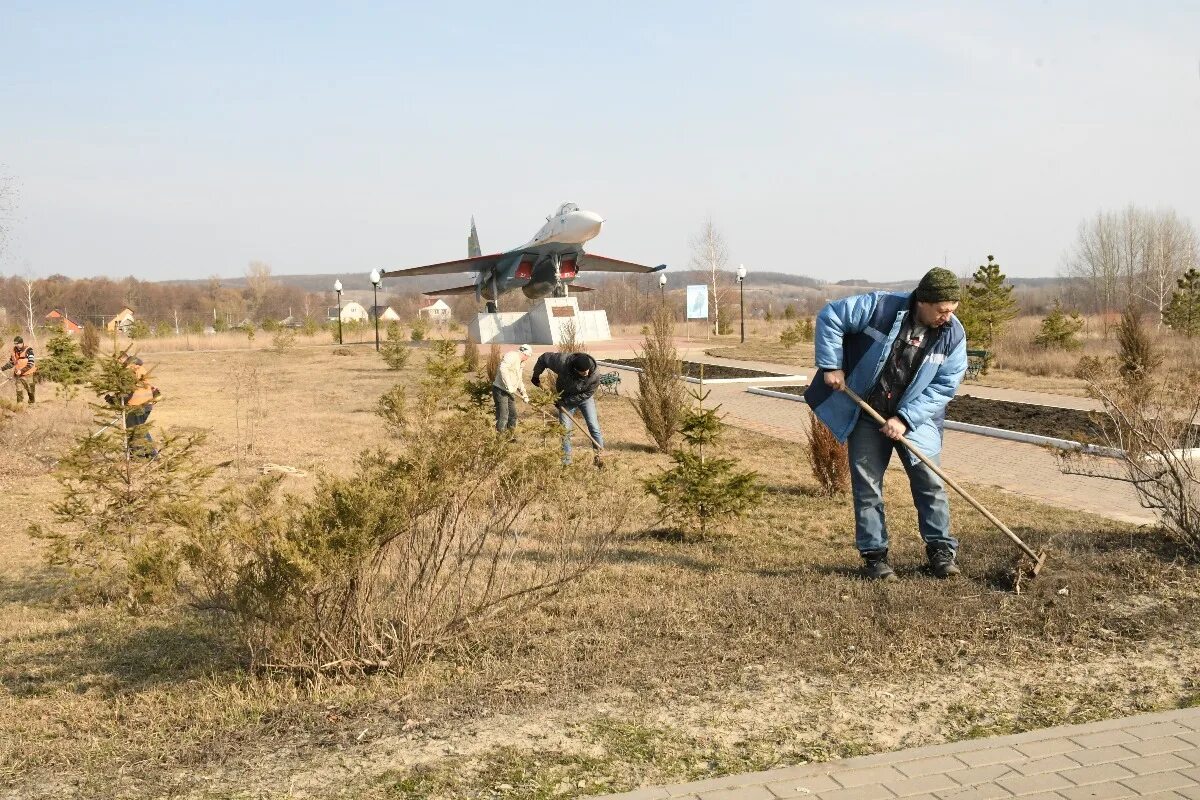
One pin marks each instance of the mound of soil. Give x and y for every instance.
(712, 372)
(1071, 424)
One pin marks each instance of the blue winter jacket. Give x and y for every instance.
(855, 334)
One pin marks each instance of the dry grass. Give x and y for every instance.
(672, 661)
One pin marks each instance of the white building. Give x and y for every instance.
(351, 312)
(436, 310)
(385, 313)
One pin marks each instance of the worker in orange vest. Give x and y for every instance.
(138, 405)
(24, 368)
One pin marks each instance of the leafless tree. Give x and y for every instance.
(28, 282)
(258, 280)
(1094, 258)
(1172, 248)
(710, 253)
(1133, 254)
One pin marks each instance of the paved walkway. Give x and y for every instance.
(1155, 756)
(1025, 469)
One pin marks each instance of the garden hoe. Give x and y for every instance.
(1039, 559)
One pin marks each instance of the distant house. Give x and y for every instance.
(351, 312)
(385, 313)
(436, 310)
(56, 319)
(121, 322)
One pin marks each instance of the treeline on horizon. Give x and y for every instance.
(261, 296)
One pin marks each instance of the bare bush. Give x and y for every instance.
(1151, 422)
(471, 355)
(494, 358)
(569, 341)
(828, 457)
(661, 399)
(382, 568)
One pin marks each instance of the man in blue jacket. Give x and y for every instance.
(904, 354)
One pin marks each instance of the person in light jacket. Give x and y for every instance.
(508, 384)
(904, 354)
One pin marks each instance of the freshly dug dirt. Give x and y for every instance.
(712, 372)
(1059, 423)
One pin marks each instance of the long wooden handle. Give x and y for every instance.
(583, 428)
(946, 478)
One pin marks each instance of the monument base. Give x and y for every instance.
(546, 323)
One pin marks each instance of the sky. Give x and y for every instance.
(836, 140)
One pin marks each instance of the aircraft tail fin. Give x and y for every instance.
(473, 242)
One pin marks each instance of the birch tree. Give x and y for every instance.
(1172, 248)
(710, 254)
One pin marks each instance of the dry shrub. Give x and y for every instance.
(569, 340)
(383, 568)
(828, 457)
(471, 355)
(283, 341)
(661, 399)
(1151, 418)
(492, 366)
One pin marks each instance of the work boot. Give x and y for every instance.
(941, 560)
(876, 567)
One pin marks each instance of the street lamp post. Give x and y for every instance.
(741, 275)
(662, 288)
(337, 287)
(375, 277)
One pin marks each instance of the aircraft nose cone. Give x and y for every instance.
(592, 220)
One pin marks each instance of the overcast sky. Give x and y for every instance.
(835, 140)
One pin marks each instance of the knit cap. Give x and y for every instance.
(938, 286)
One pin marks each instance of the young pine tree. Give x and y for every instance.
(987, 306)
(1059, 330)
(394, 351)
(1137, 357)
(701, 492)
(1183, 314)
(115, 528)
(65, 365)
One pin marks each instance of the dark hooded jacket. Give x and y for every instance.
(572, 388)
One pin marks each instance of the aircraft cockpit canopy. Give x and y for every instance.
(566, 208)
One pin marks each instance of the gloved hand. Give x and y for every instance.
(525, 397)
(6, 367)
(536, 381)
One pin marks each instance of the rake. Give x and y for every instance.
(580, 427)
(1038, 559)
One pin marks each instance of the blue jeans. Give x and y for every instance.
(870, 452)
(588, 409)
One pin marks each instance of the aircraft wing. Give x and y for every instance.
(454, 290)
(593, 263)
(475, 264)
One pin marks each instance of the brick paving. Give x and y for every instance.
(1155, 756)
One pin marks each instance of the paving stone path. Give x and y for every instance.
(1026, 469)
(1155, 756)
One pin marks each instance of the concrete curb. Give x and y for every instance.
(764, 379)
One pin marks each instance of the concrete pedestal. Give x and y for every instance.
(543, 324)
